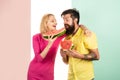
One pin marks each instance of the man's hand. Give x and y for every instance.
(75, 54)
(64, 56)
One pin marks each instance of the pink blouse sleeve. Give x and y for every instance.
(36, 47)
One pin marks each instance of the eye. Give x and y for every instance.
(52, 21)
(66, 20)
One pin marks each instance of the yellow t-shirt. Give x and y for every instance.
(81, 69)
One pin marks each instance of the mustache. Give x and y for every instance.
(66, 26)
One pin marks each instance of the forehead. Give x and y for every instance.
(66, 16)
(51, 17)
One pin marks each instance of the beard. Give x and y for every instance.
(69, 29)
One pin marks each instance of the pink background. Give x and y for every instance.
(14, 39)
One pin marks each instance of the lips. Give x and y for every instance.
(54, 26)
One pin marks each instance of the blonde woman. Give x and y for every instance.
(42, 66)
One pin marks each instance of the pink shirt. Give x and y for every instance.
(43, 69)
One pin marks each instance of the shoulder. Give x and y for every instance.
(37, 35)
(91, 36)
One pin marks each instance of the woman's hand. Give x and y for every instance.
(87, 32)
(50, 42)
(51, 39)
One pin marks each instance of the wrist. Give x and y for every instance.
(90, 56)
(82, 56)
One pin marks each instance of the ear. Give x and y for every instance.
(75, 20)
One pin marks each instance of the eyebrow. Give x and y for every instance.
(66, 17)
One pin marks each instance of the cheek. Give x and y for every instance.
(49, 24)
(70, 22)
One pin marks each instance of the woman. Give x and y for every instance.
(42, 66)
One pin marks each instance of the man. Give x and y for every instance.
(85, 48)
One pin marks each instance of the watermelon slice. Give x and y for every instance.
(66, 44)
(54, 33)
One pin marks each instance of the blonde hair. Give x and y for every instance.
(43, 25)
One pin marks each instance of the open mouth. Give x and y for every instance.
(54, 26)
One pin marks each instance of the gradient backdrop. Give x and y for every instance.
(103, 17)
(17, 27)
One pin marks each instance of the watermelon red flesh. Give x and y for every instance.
(66, 44)
(54, 33)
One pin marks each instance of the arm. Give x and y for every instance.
(39, 54)
(90, 43)
(45, 51)
(93, 55)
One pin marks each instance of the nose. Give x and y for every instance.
(65, 22)
(55, 23)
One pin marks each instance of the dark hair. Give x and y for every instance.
(73, 12)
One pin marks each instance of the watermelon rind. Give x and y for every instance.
(56, 35)
(72, 47)
(45, 37)
(59, 34)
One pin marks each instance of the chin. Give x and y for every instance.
(53, 29)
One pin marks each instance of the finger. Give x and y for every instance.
(69, 51)
(49, 37)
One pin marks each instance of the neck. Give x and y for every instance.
(76, 29)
